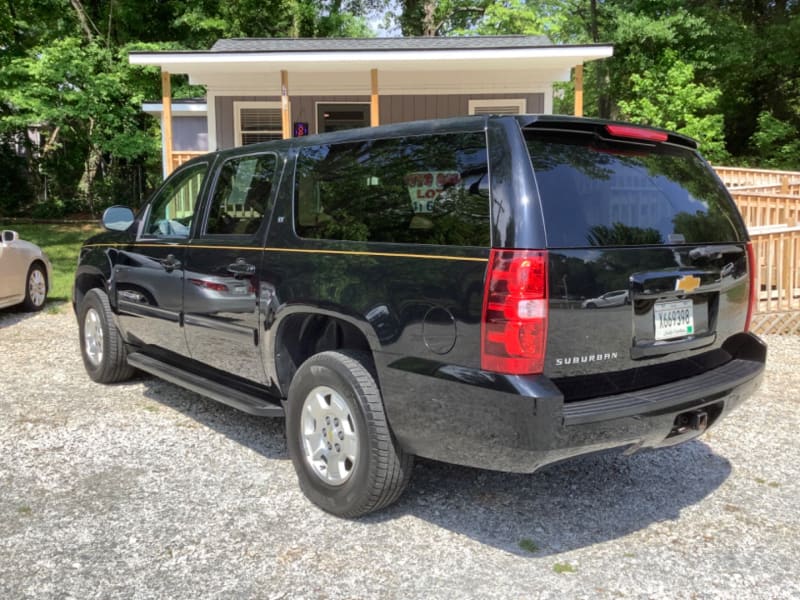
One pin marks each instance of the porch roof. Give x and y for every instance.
(477, 53)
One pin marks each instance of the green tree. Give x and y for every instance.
(671, 98)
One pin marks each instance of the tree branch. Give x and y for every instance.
(451, 14)
(86, 23)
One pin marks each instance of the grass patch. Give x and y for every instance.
(25, 510)
(563, 568)
(528, 545)
(772, 484)
(62, 244)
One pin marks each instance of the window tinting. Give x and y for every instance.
(599, 194)
(423, 189)
(241, 195)
(173, 208)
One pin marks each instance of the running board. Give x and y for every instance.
(205, 387)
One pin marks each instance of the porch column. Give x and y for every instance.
(166, 121)
(375, 104)
(579, 90)
(286, 119)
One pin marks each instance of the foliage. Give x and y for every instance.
(65, 78)
(776, 142)
(726, 74)
(14, 189)
(670, 98)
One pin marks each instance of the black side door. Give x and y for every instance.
(222, 287)
(149, 273)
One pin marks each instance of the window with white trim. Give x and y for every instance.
(500, 106)
(257, 122)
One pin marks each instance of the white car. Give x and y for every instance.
(615, 298)
(25, 273)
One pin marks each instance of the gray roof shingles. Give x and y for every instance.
(379, 44)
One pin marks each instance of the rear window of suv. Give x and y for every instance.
(600, 193)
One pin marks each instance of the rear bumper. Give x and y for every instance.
(519, 424)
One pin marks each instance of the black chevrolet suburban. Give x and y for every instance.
(493, 291)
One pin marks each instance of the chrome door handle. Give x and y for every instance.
(170, 263)
(241, 268)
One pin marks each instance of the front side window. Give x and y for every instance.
(241, 196)
(418, 189)
(173, 209)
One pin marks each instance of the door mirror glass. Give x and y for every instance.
(117, 218)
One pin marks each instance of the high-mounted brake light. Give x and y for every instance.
(752, 269)
(636, 133)
(514, 326)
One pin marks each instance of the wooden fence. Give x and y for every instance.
(735, 177)
(770, 204)
(180, 157)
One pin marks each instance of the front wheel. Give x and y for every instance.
(35, 288)
(104, 353)
(346, 458)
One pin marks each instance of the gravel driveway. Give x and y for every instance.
(144, 490)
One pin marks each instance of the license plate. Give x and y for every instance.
(673, 319)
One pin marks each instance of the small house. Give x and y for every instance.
(263, 89)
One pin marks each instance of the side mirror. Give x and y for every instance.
(9, 236)
(117, 218)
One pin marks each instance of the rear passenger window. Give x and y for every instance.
(419, 190)
(596, 193)
(241, 196)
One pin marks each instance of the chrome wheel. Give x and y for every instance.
(93, 337)
(37, 287)
(329, 437)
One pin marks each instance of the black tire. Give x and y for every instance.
(35, 296)
(591, 305)
(108, 362)
(381, 469)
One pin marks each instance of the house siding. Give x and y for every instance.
(393, 108)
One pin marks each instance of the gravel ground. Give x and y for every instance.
(144, 490)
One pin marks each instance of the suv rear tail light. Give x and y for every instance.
(752, 268)
(514, 327)
(636, 133)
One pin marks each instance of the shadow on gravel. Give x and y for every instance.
(260, 434)
(13, 314)
(566, 506)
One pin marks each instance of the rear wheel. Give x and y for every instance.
(103, 350)
(35, 288)
(346, 458)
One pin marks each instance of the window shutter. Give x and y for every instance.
(497, 110)
(259, 124)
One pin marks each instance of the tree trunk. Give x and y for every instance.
(602, 78)
(428, 18)
(84, 20)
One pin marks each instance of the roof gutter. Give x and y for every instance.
(205, 57)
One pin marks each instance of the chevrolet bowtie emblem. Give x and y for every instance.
(687, 283)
